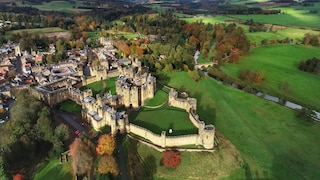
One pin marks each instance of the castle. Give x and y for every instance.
(134, 86)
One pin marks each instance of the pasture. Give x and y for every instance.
(288, 17)
(279, 64)
(272, 142)
(50, 32)
(127, 35)
(206, 19)
(278, 32)
(63, 6)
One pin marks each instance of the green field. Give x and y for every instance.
(295, 34)
(63, 6)
(279, 63)
(273, 143)
(36, 31)
(127, 35)
(97, 86)
(93, 34)
(206, 19)
(54, 170)
(288, 17)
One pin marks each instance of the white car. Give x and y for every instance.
(2, 121)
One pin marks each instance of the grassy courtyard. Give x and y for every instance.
(96, 87)
(279, 63)
(273, 143)
(163, 119)
(70, 106)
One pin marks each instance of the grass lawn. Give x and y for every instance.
(279, 63)
(97, 86)
(93, 34)
(160, 97)
(70, 106)
(55, 170)
(163, 119)
(273, 143)
(194, 165)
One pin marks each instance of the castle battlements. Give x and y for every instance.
(134, 86)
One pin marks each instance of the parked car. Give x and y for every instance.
(78, 132)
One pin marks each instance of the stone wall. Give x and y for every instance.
(163, 140)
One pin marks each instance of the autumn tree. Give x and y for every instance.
(106, 145)
(171, 158)
(83, 156)
(107, 164)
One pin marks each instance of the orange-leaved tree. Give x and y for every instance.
(171, 158)
(83, 156)
(107, 164)
(106, 145)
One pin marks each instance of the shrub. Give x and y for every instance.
(171, 158)
(305, 114)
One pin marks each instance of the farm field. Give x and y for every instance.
(54, 170)
(270, 139)
(205, 19)
(50, 32)
(127, 35)
(279, 32)
(293, 33)
(63, 6)
(289, 17)
(279, 64)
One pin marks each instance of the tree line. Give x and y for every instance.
(30, 135)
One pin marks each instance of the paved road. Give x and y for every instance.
(70, 118)
(123, 167)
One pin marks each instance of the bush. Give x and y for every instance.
(171, 158)
(305, 114)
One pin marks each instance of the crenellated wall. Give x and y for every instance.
(205, 134)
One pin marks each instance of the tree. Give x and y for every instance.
(62, 132)
(106, 145)
(107, 164)
(83, 156)
(171, 158)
